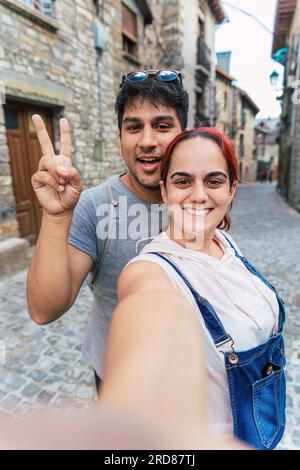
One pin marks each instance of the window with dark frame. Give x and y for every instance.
(129, 31)
(225, 100)
(243, 117)
(241, 146)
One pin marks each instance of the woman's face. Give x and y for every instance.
(197, 189)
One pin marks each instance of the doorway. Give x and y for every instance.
(25, 153)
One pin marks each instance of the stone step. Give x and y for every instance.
(13, 256)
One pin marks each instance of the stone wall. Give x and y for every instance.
(164, 36)
(249, 164)
(224, 116)
(7, 200)
(190, 25)
(293, 190)
(54, 63)
(294, 176)
(176, 32)
(190, 13)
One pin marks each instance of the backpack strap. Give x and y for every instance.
(112, 205)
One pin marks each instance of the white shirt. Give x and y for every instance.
(247, 308)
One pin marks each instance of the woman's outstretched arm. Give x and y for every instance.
(155, 364)
(154, 392)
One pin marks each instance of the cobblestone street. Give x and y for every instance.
(44, 365)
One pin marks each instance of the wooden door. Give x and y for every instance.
(25, 153)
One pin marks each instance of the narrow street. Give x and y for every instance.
(44, 365)
(268, 232)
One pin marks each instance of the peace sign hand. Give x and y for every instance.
(57, 183)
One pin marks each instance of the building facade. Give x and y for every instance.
(199, 21)
(287, 51)
(235, 115)
(185, 32)
(66, 58)
(244, 112)
(266, 142)
(61, 58)
(224, 96)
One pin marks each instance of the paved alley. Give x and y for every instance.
(268, 232)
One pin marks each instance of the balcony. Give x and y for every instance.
(204, 58)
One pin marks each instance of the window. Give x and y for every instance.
(203, 51)
(241, 146)
(243, 118)
(225, 100)
(44, 6)
(129, 31)
(11, 118)
(200, 116)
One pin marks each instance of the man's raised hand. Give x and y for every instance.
(56, 183)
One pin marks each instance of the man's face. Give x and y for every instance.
(146, 132)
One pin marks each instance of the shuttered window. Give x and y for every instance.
(129, 22)
(129, 31)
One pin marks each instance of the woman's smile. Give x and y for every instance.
(197, 212)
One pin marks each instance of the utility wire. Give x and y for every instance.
(250, 16)
(255, 19)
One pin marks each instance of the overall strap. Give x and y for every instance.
(256, 273)
(211, 320)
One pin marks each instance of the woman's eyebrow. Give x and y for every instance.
(180, 173)
(209, 175)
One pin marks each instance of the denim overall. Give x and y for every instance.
(256, 378)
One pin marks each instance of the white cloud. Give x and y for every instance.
(251, 45)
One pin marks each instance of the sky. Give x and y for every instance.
(251, 63)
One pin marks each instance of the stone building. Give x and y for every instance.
(185, 32)
(266, 142)
(61, 58)
(244, 112)
(235, 114)
(224, 94)
(286, 50)
(66, 58)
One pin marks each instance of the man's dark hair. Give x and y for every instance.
(158, 93)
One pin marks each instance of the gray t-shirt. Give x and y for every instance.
(134, 224)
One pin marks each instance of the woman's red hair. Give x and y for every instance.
(225, 144)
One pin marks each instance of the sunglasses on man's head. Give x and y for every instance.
(164, 75)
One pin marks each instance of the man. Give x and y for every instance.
(152, 109)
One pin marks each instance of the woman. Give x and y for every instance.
(240, 312)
